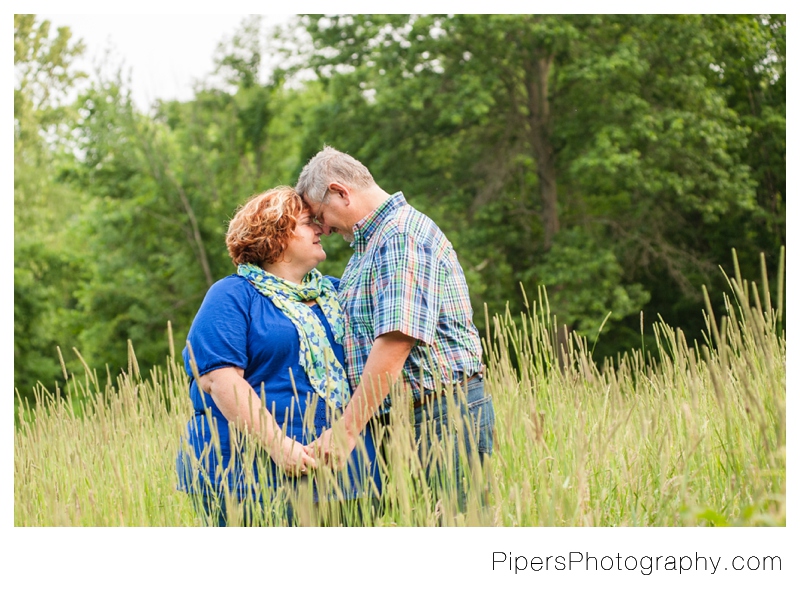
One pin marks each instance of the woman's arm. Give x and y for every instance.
(241, 406)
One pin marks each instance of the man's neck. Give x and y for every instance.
(369, 200)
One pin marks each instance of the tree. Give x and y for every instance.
(512, 129)
(161, 190)
(44, 260)
(615, 159)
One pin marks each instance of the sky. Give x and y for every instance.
(164, 54)
(167, 53)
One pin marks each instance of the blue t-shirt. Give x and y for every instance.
(237, 326)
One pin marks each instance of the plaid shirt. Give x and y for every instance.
(404, 276)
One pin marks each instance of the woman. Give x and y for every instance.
(273, 330)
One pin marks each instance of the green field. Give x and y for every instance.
(686, 435)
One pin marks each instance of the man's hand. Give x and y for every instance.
(333, 447)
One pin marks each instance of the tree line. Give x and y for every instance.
(615, 159)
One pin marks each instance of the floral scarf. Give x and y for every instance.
(317, 358)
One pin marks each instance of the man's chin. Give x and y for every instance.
(349, 237)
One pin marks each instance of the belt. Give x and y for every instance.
(430, 396)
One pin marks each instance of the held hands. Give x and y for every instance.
(332, 447)
(292, 457)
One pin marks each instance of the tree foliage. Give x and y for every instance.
(535, 138)
(45, 265)
(615, 159)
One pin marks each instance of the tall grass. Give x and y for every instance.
(691, 434)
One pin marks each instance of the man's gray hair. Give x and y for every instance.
(330, 165)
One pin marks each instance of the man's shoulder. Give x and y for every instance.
(410, 222)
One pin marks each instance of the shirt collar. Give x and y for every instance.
(366, 227)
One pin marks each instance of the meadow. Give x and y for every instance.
(688, 434)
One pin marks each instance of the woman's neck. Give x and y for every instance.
(286, 270)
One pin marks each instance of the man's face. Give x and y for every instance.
(331, 215)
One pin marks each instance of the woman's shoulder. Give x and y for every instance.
(232, 287)
(232, 282)
(334, 280)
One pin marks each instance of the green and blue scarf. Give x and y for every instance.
(317, 358)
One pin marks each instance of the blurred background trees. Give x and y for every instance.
(615, 159)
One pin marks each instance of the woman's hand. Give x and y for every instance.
(292, 457)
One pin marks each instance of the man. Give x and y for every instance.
(407, 310)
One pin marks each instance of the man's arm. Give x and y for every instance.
(382, 369)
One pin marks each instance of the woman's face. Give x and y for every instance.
(304, 249)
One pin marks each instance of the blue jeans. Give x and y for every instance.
(471, 430)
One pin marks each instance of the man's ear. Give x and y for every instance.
(337, 188)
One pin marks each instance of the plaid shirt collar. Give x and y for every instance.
(366, 227)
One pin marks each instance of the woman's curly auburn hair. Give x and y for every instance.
(260, 230)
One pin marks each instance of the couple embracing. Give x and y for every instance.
(306, 364)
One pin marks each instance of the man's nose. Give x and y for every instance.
(326, 229)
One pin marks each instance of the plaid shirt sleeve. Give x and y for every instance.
(408, 290)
